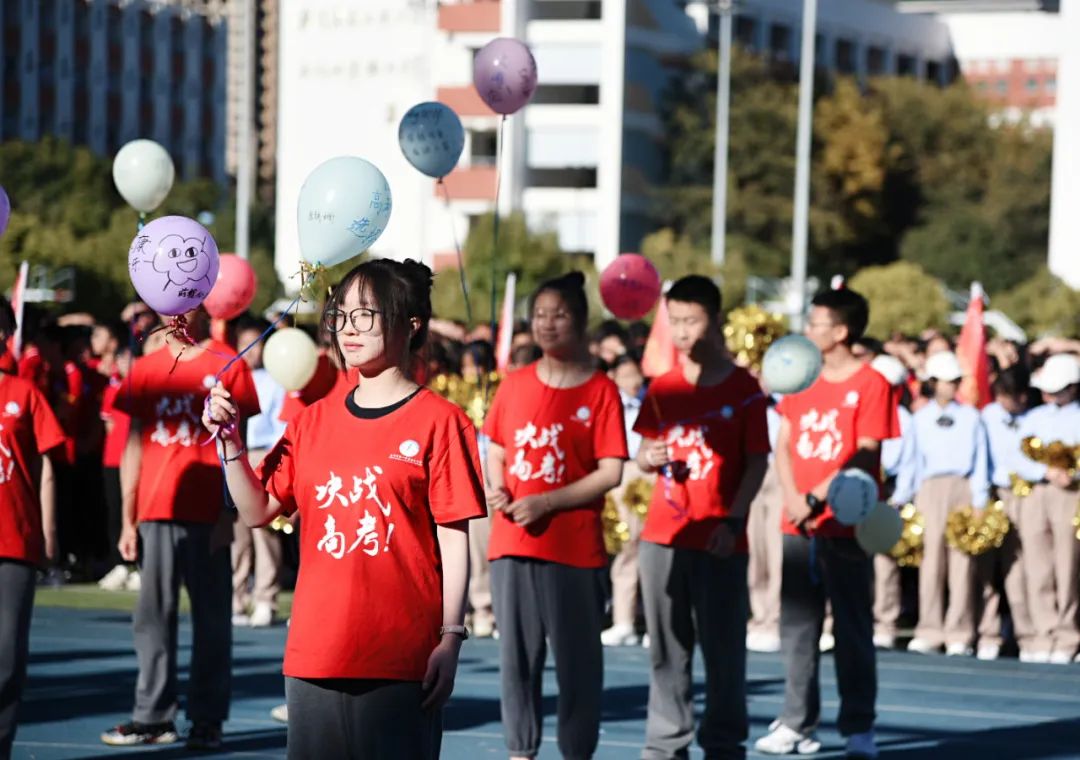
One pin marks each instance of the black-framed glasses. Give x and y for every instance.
(362, 319)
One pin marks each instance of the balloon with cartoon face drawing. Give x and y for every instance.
(173, 263)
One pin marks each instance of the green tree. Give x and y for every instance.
(903, 299)
(1042, 305)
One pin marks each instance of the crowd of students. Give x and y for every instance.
(399, 494)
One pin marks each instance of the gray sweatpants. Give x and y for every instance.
(16, 606)
(360, 719)
(842, 573)
(172, 552)
(539, 603)
(688, 592)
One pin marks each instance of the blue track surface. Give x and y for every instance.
(82, 677)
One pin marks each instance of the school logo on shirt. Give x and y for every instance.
(178, 411)
(12, 409)
(209, 381)
(851, 399)
(819, 437)
(583, 414)
(544, 441)
(727, 412)
(407, 453)
(365, 536)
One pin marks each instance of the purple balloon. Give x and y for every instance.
(173, 263)
(504, 74)
(5, 210)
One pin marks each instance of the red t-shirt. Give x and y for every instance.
(328, 380)
(116, 438)
(709, 431)
(8, 365)
(370, 492)
(826, 420)
(553, 437)
(28, 429)
(180, 479)
(32, 367)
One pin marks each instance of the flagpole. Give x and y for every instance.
(802, 165)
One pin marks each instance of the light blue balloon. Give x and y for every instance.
(344, 207)
(432, 138)
(791, 365)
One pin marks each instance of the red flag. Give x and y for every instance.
(506, 324)
(660, 355)
(971, 351)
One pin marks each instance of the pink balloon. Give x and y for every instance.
(630, 286)
(504, 74)
(234, 290)
(173, 262)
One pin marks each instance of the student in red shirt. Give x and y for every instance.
(705, 429)
(176, 524)
(117, 425)
(557, 446)
(836, 424)
(385, 479)
(29, 436)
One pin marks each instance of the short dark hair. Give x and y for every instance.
(7, 316)
(848, 308)
(526, 354)
(695, 288)
(627, 358)
(872, 345)
(1011, 381)
(570, 287)
(402, 291)
(482, 354)
(611, 327)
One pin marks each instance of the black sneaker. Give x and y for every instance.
(204, 736)
(131, 734)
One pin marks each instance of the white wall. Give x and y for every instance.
(1065, 190)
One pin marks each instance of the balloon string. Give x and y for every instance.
(495, 228)
(457, 250)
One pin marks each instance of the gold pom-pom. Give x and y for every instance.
(908, 551)
(473, 396)
(1076, 521)
(749, 332)
(1053, 454)
(1019, 486)
(637, 495)
(616, 531)
(281, 524)
(976, 532)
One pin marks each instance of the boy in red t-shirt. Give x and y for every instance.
(836, 424)
(28, 433)
(174, 521)
(705, 430)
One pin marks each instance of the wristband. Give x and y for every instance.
(817, 506)
(456, 630)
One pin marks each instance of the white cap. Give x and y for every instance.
(1058, 373)
(891, 368)
(944, 366)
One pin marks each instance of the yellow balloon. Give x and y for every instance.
(290, 356)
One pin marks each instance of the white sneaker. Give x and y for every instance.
(922, 646)
(762, 642)
(280, 713)
(240, 620)
(827, 642)
(644, 641)
(262, 616)
(884, 641)
(133, 582)
(782, 740)
(483, 627)
(115, 579)
(862, 746)
(1077, 658)
(1037, 658)
(988, 652)
(620, 636)
(958, 649)
(1060, 658)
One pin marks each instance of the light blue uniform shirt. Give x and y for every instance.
(898, 458)
(958, 448)
(631, 408)
(1050, 423)
(1003, 433)
(265, 429)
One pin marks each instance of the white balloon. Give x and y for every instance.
(143, 173)
(790, 365)
(852, 494)
(290, 356)
(879, 532)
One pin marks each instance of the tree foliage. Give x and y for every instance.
(903, 299)
(66, 212)
(1043, 305)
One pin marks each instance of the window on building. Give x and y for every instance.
(780, 42)
(845, 56)
(565, 10)
(568, 177)
(1050, 85)
(1002, 87)
(875, 60)
(483, 147)
(934, 71)
(566, 94)
(905, 65)
(982, 86)
(1032, 85)
(745, 32)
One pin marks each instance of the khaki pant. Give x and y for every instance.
(1005, 563)
(1051, 562)
(255, 550)
(480, 570)
(624, 568)
(766, 556)
(946, 576)
(886, 595)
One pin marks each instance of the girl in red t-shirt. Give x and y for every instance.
(385, 479)
(557, 446)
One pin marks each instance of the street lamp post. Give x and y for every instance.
(802, 165)
(725, 9)
(245, 138)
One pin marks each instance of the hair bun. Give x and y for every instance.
(418, 272)
(574, 279)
